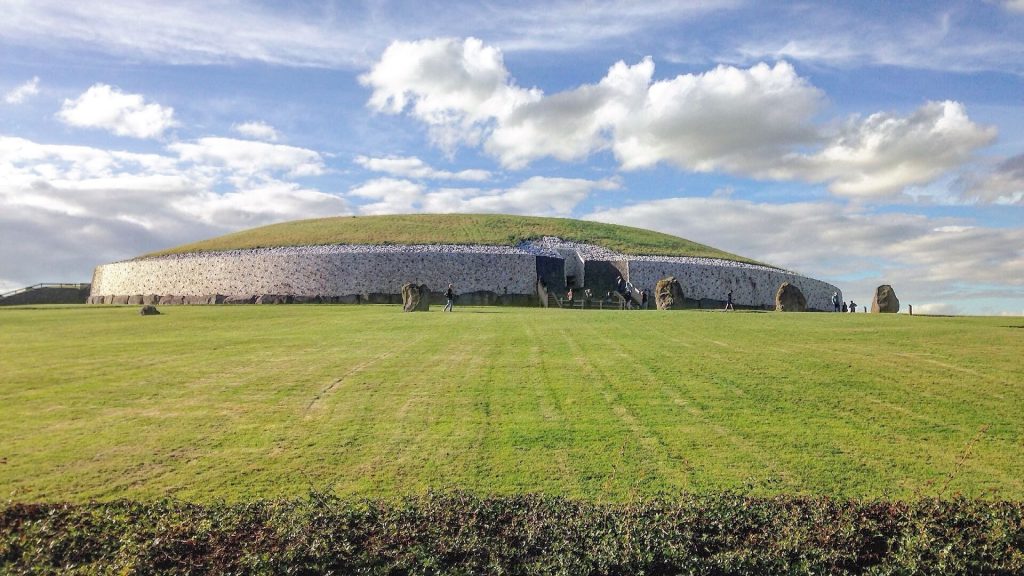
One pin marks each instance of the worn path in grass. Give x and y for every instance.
(209, 402)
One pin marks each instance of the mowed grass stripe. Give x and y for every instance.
(241, 402)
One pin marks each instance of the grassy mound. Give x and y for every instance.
(493, 229)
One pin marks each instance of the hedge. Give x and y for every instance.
(460, 533)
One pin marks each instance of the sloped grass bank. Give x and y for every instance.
(458, 533)
(495, 229)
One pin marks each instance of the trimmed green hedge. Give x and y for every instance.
(458, 533)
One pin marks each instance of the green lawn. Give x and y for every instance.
(210, 402)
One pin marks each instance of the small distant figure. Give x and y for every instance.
(853, 306)
(835, 301)
(449, 294)
(910, 307)
(569, 295)
(620, 285)
(643, 299)
(728, 302)
(844, 307)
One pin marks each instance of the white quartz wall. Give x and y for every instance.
(257, 272)
(750, 285)
(351, 270)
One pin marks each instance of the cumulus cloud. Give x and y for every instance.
(724, 119)
(756, 122)
(258, 130)
(107, 108)
(109, 204)
(23, 92)
(413, 167)
(927, 260)
(885, 153)
(537, 195)
(247, 158)
(571, 125)
(728, 118)
(1004, 184)
(455, 87)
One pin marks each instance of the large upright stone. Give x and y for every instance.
(885, 300)
(542, 292)
(789, 298)
(668, 294)
(415, 298)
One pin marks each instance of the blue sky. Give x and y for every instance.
(858, 143)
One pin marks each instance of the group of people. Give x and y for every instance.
(622, 288)
(841, 306)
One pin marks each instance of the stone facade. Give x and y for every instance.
(375, 274)
(257, 272)
(751, 285)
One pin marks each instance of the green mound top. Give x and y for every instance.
(491, 229)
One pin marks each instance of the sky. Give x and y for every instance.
(859, 143)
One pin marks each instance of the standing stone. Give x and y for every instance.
(789, 298)
(542, 292)
(415, 298)
(885, 300)
(149, 310)
(668, 294)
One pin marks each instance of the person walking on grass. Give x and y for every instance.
(835, 301)
(728, 302)
(449, 295)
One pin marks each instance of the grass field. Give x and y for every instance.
(211, 402)
(493, 229)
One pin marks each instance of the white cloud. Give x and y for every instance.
(389, 195)
(246, 158)
(455, 87)
(727, 118)
(106, 107)
(927, 260)
(258, 130)
(839, 35)
(885, 153)
(537, 195)
(1014, 5)
(756, 122)
(23, 92)
(65, 209)
(269, 201)
(1004, 184)
(571, 125)
(327, 34)
(412, 167)
(937, 309)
